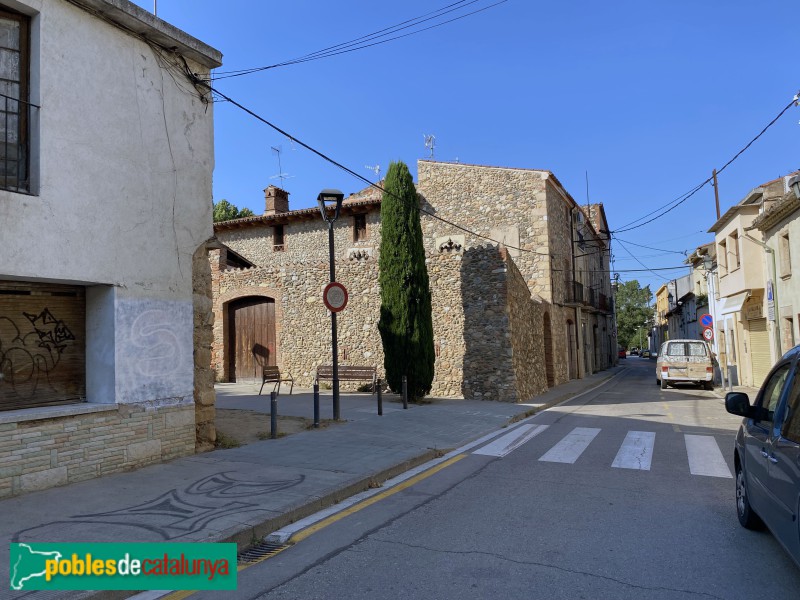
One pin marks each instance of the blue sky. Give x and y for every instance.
(647, 97)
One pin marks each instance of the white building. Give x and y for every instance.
(106, 160)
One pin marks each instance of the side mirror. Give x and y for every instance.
(738, 403)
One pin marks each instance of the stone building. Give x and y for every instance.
(520, 305)
(105, 200)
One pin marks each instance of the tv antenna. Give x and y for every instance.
(376, 169)
(281, 175)
(430, 143)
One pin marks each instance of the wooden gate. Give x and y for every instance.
(251, 323)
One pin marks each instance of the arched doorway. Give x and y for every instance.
(548, 351)
(251, 342)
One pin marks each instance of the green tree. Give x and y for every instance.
(225, 211)
(406, 322)
(634, 313)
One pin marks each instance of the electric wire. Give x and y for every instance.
(681, 199)
(653, 271)
(359, 43)
(346, 169)
(684, 252)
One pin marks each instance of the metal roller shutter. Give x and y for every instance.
(759, 351)
(42, 344)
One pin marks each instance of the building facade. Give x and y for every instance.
(105, 197)
(746, 337)
(521, 306)
(780, 227)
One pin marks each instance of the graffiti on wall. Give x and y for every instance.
(31, 346)
(154, 350)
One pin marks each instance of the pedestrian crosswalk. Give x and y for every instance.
(703, 455)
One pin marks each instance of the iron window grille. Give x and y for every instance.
(15, 109)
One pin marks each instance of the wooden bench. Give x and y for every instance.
(350, 373)
(273, 375)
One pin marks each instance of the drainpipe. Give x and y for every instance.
(771, 252)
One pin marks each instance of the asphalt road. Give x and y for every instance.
(624, 493)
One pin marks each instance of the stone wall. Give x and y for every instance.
(38, 454)
(489, 305)
(303, 324)
(526, 325)
(204, 395)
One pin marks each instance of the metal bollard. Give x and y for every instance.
(380, 398)
(316, 403)
(405, 392)
(273, 415)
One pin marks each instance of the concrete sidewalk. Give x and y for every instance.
(245, 493)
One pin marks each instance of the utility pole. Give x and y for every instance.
(716, 192)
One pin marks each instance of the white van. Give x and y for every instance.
(685, 360)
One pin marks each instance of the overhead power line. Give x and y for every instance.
(198, 81)
(684, 197)
(684, 252)
(646, 268)
(371, 39)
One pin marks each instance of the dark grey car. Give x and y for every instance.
(767, 454)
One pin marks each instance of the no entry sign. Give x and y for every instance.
(335, 296)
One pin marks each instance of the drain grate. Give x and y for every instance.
(260, 552)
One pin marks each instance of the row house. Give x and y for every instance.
(750, 275)
(523, 305)
(106, 159)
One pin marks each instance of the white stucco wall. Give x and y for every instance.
(122, 196)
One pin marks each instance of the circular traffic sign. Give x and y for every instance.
(708, 334)
(335, 296)
(707, 320)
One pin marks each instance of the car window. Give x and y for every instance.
(772, 391)
(696, 349)
(791, 426)
(676, 349)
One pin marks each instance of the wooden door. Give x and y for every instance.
(252, 337)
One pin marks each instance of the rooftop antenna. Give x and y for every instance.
(376, 169)
(155, 8)
(430, 143)
(281, 175)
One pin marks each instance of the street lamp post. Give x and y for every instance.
(332, 199)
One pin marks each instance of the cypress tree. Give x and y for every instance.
(406, 322)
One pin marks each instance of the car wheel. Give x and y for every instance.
(747, 516)
(663, 383)
(658, 382)
(709, 385)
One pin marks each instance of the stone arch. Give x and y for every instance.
(222, 333)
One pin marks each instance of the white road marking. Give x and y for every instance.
(636, 451)
(511, 441)
(705, 457)
(572, 446)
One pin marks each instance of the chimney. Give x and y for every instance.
(277, 200)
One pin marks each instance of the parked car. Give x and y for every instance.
(685, 361)
(766, 454)
(622, 353)
(645, 353)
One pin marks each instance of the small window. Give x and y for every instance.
(785, 256)
(14, 102)
(735, 261)
(722, 256)
(359, 228)
(278, 242)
